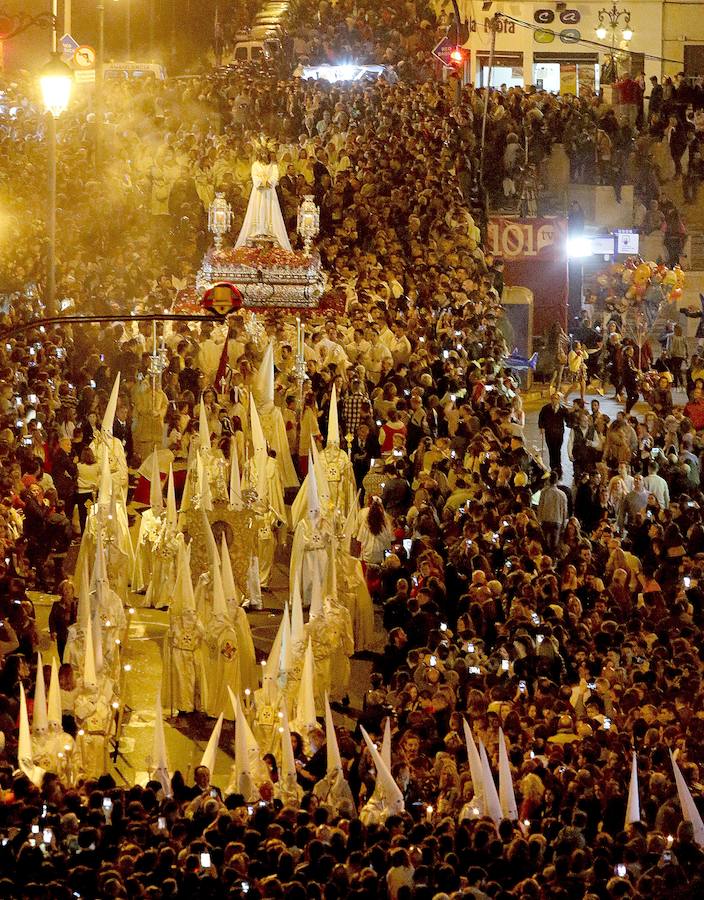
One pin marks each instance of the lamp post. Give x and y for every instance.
(55, 80)
(219, 218)
(609, 21)
(308, 222)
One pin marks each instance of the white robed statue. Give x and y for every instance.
(263, 217)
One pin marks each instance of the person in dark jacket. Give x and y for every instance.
(65, 474)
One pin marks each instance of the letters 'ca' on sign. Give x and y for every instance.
(543, 36)
(544, 16)
(570, 36)
(570, 17)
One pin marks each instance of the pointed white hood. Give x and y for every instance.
(54, 711)
(334, 760)
(507, 796)
(492, 804)
(203, 428)
(184, 598)
(305, 703)
(263, 387)
(260, 456)
(288, 762)
(171, 511)
(391, 792)
(204, 492)
(273, 661)
(385, 751)
(156, 497)
(111, 408)
(475, 768)
(160, 758)
(83, 613)
(235, 477)
(690, 813)
(322, 478)
(228, 579)
(40, 720)
(286, 657)
(90, 679)
(333, 423)
(633, 802)
(247, 751)
(105, 484)
(314, 508)
(25, 753)
(296, 613)
(219, 604)
(211, 750)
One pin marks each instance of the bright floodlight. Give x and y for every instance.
(56, 80)
(627, 34)
(601, 32)
(345, 73)
(578, 247)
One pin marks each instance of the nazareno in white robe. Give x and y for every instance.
(263, 216)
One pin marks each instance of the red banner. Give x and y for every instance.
(534, 252)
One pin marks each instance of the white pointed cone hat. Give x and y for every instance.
(288, 762)
(111, 408)
(475, 768)
(203, 428)
(264, 380)
(273, 661)
(105, 484)
(89, 677)
(210, 752)
(321, 477)
(305, 702)
(191, 474)
(171, 511)
(296, 612)
(333, 423)
(286, 655)
(492, 803)
(25, 753)
(255, 427)
(633, 802)
(385, 751)
(219, 604)
(160, 758)
(83, 615)
(184, 598)
(40, 720)
(54, 711)
(690, 813)
(228, 579)
(312, 490)
(235, 477)
(246, 747)
(391, 792)
(316, 601)
(206, 497)
(156, 497)
(507, 796)
(334, 760)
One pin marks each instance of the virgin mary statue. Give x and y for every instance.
(263, 217)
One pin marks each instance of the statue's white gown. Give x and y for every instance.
(263, 216)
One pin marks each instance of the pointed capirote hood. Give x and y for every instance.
(492, 803)
(390, 791)
(105, 483)
(54, 711)
(156, 497)
(288, 762)
(286, 656)
(228, 579)
(204, 492)
(210, 752)
(321, 474)
(210, 542)
(260, 454)
(305, 703)
(235, 493)
(385, 751)
(160, 758)
(83, 613)
(25, 753)
(263, 386)
(507, 795)
(333, 423)
(219, 604)
(690, 813)
(203, 428)
(40, 719)
(316, 601)
(475, 768)
(633, 802)
(96, 629)
(334, 760)
(246, 749)
(273, 662)
(296, 612)
(100, 567)
(90, 679)
(255, 427)
(111, 408)
(184, 598)
(171, 511)
(314, 508)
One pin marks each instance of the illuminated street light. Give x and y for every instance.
(55, 82)
(609, 20)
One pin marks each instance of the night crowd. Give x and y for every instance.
(566, 612)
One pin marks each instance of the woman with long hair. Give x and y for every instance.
(374, 532)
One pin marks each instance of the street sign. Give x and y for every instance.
(68, 45)
(442, 51)
(84, 76)
(84, 57)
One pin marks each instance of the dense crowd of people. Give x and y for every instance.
(567, 615)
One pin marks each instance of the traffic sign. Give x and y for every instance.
(68, 45)
(84, 57)
(443, 51)
(84, 76)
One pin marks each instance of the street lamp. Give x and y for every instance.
(609, 22)
(55, 81)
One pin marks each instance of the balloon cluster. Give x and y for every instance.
(636, 280)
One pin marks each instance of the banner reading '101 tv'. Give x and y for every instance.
(535, 256)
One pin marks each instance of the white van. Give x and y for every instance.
(133, 71)
(255, 51)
